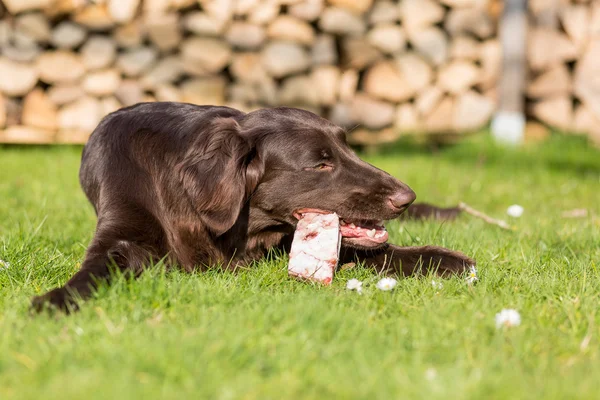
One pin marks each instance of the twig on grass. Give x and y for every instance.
(470, 210)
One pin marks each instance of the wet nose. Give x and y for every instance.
(401, 200)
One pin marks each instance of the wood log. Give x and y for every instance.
(458, 76)
(247, 67)
(471, 111)
(84, 114)
(95, 17)
(60, 66)
(308, 10)
(34, 25)
(367, 137)
(359, 53)
(407, 119)
(384, 11)
(67, 35)
(164, 30)
(325, 79)
(465, 47)
(123, 11)
(203, 24)
(38, 111)
(134, 62)
(204, 55)
(167, 92)
(348, 85)
(417, 72)
(204, 90)
(19, 134)
(372, 113)
(284, 58)
(555, 111)
(491, 64)
(286, 27)
(473, 20)
(341, 21)
(427, 99)
(64, 94)
(385, 81)
(98, 52)
(130, 35)
(432, 43)
(129, 92)
(323, 50)
(167, 70)
(356, 6)
(388, 38)
(17, 6)
(586, 82)
(576, 22)
(554, 82)
(440, 119)
(293, 91)
(244, 35)
(418, 15)
(102, 82)
(16, 79)
(548, 47)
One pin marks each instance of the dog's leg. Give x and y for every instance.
(422, 211)
(124, 256)
(410, 260)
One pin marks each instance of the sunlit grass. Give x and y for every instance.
(260, 335)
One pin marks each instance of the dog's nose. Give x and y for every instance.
(401, 200)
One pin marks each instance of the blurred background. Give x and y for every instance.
(433, 69)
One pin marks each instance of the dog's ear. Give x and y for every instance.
(213, 174)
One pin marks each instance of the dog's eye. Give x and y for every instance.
(324, 167)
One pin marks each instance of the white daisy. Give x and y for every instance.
(472, 278)
(437, 285)
(4, 264)
(515, 211)
(354, 284)
(508, 317)
(386, 284)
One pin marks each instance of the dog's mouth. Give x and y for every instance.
(356, 232)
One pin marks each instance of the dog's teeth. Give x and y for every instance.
(371, 233)
(352, 225)
(343, 223)
(380, 234)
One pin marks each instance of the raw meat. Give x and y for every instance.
(316, 247)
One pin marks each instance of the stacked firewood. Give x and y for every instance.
(387, 66)
(564, 65)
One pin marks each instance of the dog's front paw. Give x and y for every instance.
(452, 262)
(58, 299)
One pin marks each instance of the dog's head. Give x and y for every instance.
(305, 164)
(287, 162)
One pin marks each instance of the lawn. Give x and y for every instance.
(260, 335)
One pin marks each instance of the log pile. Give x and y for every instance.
(563, 90)
(389, 67)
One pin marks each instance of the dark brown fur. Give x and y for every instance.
(203, 185)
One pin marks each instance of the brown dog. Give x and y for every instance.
(203, 185)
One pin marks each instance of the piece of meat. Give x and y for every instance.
(315, 248)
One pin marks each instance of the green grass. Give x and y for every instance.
(260, 335)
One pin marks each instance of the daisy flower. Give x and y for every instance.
(386, 284)
(515, 211)
(437, 285)
(508, 317)
(472, 278)
(354, 284)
